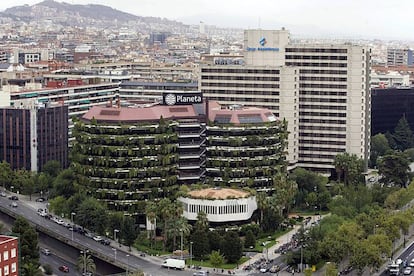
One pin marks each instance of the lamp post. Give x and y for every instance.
(191, 253)
(71, 219)
(115, 231)
(84, 260)
(127, 269)
(114, 249)
(181, 232)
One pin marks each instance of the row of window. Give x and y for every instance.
(322, 135)
(303, 57)
(322, 107)
(315, 50)
(240, 78)
(323, 114)
(317, 64)
(322, 85)
(316, 149)
(322, 71)
(248, 100)
(242, 92)
(216, 210)
(322, 93)
(305, 78)
(316, 156)
(6, 270)
(327, 128)
(240, 71)
(322, 142)
(322, 100)
(13, 253)
(243, 85)
(322, 121)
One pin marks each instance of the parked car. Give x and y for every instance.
(97, 238)
(13, 197)
(407, 270)
(105, 242)
(3, 194)
(64, 268)
(13, 204)
(40, 199)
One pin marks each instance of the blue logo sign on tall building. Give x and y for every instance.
(262, 41)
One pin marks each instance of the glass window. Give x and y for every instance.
(13, 253)
(5, 255)
(13, 267)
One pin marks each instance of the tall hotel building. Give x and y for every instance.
(322, 90)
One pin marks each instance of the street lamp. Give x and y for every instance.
(71, 219)
(181, 231)
(115, 231)
(127, 272)
(84, 260)
(191, 253)
(114, 249)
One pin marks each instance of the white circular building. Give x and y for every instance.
(220, 204)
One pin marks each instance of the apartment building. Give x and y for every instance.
(9, 256)
(398, 57)
(322, 90)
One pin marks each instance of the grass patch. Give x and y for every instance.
(207, 263)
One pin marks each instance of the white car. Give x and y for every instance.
(97, 238)
(407, 271)
(412, 263)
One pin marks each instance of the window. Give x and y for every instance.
(13, 267)
(13, 253)
(6, 270)
(5, 255)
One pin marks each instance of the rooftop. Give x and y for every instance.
(218, 193)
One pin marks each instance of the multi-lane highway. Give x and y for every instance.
(112, 254)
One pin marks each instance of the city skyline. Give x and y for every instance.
(319, 18)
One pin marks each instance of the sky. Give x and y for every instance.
(388, 20)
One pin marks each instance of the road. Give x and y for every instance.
(111, 254)
(407, 255)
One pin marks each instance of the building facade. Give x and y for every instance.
(221, 205)
(33, 134)
(398, 57)
(322, 90)
(9, 256)
(389, 106)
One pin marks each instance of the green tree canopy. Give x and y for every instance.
(394, 168)
(379, 147)
(92, 215)
(232, 247)
(403, 136)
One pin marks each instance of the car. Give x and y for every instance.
(13, 197)
(89, 235)
(87, 273)
(200, 273)
(40, 199)
(64, 268)
(97, 238)
(45, 251)
(411, 263)
(263, 269)
(105, 242)
(13, 204)
(407, 271)
(3, 194)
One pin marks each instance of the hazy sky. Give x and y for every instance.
(382, 19)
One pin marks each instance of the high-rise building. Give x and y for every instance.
(322, 90)
(9, 256)
(32, 134)
(398, 57)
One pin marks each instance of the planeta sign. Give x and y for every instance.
(182, 98)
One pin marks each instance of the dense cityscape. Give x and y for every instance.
(135, 145)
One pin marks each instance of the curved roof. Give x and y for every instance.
(218, 193)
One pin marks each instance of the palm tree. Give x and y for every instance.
(31, 269)
(202, 221)
(151, 212)
(85, 263)
(179, 227)
(262, 203)
(166, 211)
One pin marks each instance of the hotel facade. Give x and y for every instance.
(322, 90)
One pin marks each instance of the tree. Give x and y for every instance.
(29, 249)
(232, 247)
(201, 247)
(379, 146)
(85, 262)
(64, 184)
(330, 269)
(92, 215)
(215, 240)
(403, 136)
(31, 269)
(350, 167)
(250, 239)
(262, 203)
(58, 205)
(284, 193)
(52, 168)
(216, 259)
(394, 168)
(151, 213)
(129, 231)
(202, 221)
(6, 174)
(168, 211)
